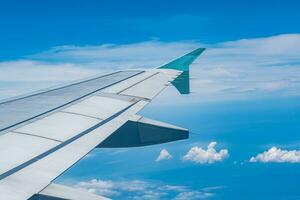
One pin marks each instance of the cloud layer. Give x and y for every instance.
(150, 190)
(202, 156)
(163, 155)
(248, 68)
(277, 155)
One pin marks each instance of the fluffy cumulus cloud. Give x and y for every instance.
(245, 68)
(203, 156)
(277, 155)
(163, 155)
(148, 190)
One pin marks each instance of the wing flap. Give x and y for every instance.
(148, 88)
(118, 88)
(98, 107)
(141, 131)
(61, 192)
(16, 148)
(34, 177)
(21, 109)
(59, 126)
(85, 114)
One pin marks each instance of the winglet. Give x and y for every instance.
(182, 82)
(182, 63)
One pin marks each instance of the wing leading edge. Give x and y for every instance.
(58, 127)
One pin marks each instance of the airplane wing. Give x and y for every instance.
(45, 133)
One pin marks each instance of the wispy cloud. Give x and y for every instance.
(248, 68)
(143, 54)
(193, 195)
(137, 189)
(163, 155)
(23, 76)
(202, 156)
(277, 155)
(98, 186)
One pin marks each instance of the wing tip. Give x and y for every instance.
(182, 63)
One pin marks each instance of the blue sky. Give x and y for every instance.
(29, 27)
(245, 89)
(244, 128)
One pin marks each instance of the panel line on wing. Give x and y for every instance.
(75, 113)
(57, 88)
(61, 145)
(119, 92)
(70, 102)
(149, 88)
(37, 136)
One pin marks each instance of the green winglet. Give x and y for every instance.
(182, 82)
(183, 62)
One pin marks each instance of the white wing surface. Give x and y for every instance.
(45, 133)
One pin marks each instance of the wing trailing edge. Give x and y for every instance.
(96, 112)
(61, 192)
(142, 131)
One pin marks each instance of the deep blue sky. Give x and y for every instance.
(32, 26)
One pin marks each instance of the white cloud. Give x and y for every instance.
(98, 186)
(277, 155)
(202, 156)
(68, 63)
(35, 71)
(247, 68)
(134, 185)
(163, 155)
(193, 195)
(150, 195)
(178, 188)
(143, 54)
(137, 189)
(110, 188)
(23, 76)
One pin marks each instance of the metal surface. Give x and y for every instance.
(98, 107)
(59, 126)
(120, 87)
(148, 88)
(31, 175)
(21, 109)
(34, 177)
(141, 132)
(16, 149)
(48, 132)
(60, 192)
